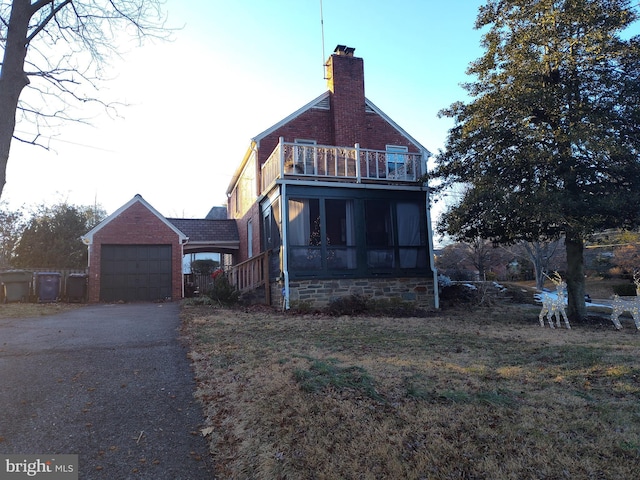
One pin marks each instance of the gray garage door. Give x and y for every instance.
(135, 273)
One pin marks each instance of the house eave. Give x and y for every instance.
(352, 185)
(400, 130)
(214, 246)
(290, 117)
(87, 239)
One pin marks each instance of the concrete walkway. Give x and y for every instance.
(110, 383)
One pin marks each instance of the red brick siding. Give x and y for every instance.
(346, 82)
(135, 226)
(344, 125)
(378, 133)
(315, 124)
(242, 222)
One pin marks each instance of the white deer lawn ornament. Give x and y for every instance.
(632, 306)
(554, 305)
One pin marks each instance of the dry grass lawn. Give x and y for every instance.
(461, 394)
(28, 310)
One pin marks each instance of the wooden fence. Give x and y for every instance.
(65, 288)
(247, 276)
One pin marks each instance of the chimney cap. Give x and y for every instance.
(344, 50)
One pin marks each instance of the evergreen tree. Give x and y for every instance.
(549, 142)
(11, 227)
(52, 237)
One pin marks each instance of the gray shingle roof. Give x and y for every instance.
(205, 233)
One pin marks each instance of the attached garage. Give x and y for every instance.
(135, 254)
(135, 273)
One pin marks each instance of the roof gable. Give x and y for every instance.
(323, 102)
(402, 131)
(87, 239)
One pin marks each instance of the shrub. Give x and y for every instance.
(624, 289)
(456, 294)
(395, 307)
(302, 306)
(351, 305)
(360, 304)
(197, 301)
(222, 291)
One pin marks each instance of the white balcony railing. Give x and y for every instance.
(340, 163)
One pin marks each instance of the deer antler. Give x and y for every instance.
(556, 278)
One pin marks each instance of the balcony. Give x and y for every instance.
(343, 164)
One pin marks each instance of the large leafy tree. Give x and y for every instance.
(58, 49)
(51, 237)
(12, 224)
(549, 141)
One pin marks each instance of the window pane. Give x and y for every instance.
(305, 252)
(410, 234)
(380, 257)
(341, 258)
(305, 258)
(271, 227)
(341, 238)
(379, 234)
(250, 239)
(396, 161)
(378, 223)
(304, 222)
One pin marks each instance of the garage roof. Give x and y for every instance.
(208, 235)
(87, 239)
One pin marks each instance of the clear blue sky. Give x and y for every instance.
(232, 70)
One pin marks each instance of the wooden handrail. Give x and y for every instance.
(251, 274)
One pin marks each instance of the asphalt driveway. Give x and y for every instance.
(110, 383)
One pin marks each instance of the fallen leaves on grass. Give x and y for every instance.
(470, 395)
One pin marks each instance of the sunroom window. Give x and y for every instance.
(325, 240)
(356, 237)
(379, 234)
(304, 234)
(341, 238)
(395, 236)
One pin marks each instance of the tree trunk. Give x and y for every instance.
(534, 251)
(577, 309)
(12, 78)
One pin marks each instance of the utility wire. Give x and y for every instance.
(84, 145)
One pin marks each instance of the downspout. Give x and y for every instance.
(432, 259)
(285, 244)
(88, 241)
(182, 244)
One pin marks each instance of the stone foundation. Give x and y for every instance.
(319, 293)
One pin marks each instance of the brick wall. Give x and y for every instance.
(377, 134)
(346, 83)
(242, 222)
(346, 123)
(135, 226)
(314, 124)
(319, 293)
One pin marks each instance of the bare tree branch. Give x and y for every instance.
(59, 50)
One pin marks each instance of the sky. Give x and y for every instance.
(232, 69)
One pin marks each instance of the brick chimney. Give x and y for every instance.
(345, 80)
